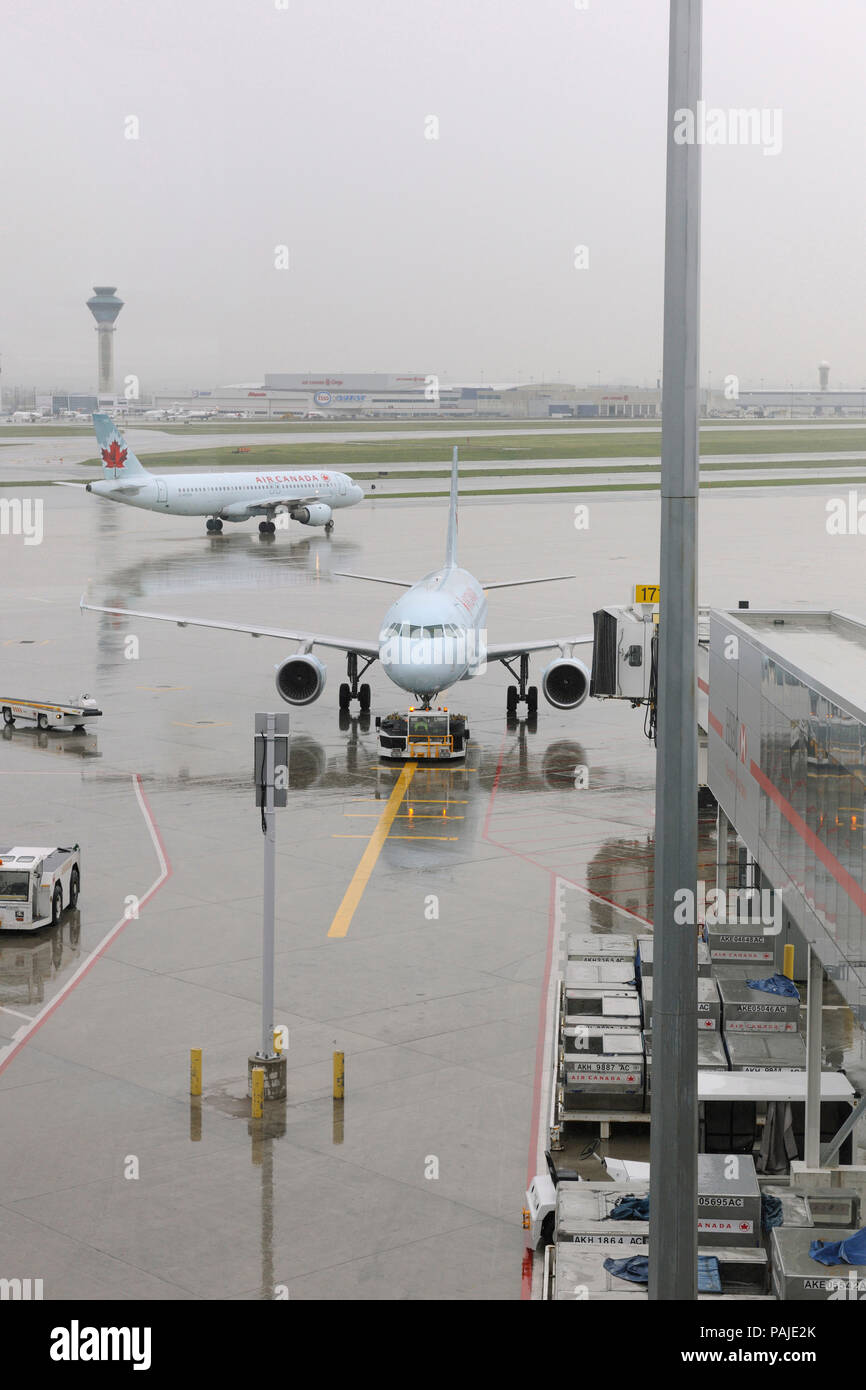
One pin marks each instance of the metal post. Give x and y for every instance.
(722, 824)
(829, 1151)
(270, 764)
(674, 1125)
(269, 896)
(814, 1000)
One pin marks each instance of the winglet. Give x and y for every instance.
(451, 544)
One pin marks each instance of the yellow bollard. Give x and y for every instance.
(258, 1092)
(339, 1075)
(788, 967)
(195, 1071)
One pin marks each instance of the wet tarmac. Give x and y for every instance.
(115, 1183)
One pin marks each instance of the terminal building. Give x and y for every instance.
(379, 395)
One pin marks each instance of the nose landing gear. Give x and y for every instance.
(267, 528)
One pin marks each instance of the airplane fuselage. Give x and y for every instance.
(435, 634)
(227, 495)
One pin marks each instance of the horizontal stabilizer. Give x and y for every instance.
(374, 579)
(515, 583)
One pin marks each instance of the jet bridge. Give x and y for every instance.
(787, 766)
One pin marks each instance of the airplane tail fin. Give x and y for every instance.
(451, 544)
(119, 463)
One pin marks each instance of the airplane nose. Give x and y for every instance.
(419, 678)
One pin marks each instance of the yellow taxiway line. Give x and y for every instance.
(361, 876)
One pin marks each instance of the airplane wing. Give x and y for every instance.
(499, 651)
(515, 583)
(307, 639)
(267, 504)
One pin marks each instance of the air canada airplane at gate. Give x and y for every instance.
(433, 636)
(304, 495)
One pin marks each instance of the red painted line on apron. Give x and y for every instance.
(494, 789)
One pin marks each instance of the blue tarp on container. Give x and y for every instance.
(776, 984)
(851, 1251)
(630, 1208)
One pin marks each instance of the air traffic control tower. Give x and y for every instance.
(104, 305)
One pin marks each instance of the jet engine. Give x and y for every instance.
(300, 679)
(317, 514)
(565, 683)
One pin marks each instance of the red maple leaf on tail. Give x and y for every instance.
(113, 456)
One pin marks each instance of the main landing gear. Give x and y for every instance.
(329, 526)
(521, 692)
(267, 528)
(350, 690)
(214, 524)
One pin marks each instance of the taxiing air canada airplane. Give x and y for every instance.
(431, 638)
(305, 495)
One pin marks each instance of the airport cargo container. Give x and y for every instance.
(709, 1003)
(798, 1278)
(644, 958)
(747, 1010)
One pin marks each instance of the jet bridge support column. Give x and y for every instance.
(814, 1000)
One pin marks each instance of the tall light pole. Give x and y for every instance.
(673, 1241)
(270, 773)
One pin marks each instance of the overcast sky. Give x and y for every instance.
(305, 126)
